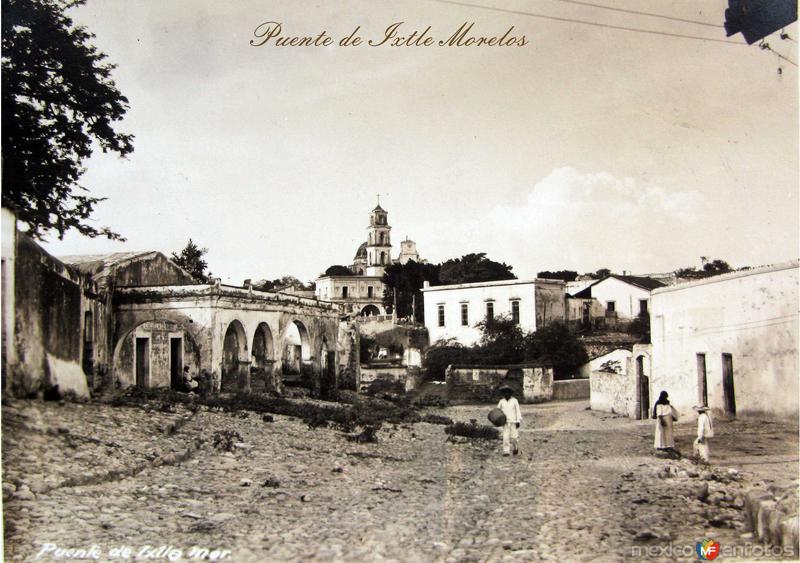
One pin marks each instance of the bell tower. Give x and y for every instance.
(379, 244)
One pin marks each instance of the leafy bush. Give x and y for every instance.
(225, 439)
(437, 419)
(381, 387)
(473, 430)
(502, 342)
(365, 350)
(369, 435)
(558, 345)
(443, 353)
(640, 326)
(611, 366)
(431, 400)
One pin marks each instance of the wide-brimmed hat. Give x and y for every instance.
(700, 408)
(506, 388)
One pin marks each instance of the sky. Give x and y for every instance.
(587, 147)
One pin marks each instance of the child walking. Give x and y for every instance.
(705, 430)
(510, 407)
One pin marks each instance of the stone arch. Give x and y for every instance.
(297, 352)
(370, 310)
(149, 356)
(383, 258)
(262, 358)
(234, 358)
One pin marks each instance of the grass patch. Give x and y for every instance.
(348, 418)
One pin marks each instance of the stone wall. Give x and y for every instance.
(571, 390)
(531, 383)
(772, 516)
(50, 304)
(408, 378)
(612, 392)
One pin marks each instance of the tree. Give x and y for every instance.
(502, 341)
(191, 260)
(566, 275)
(287, 281)
(601, 273)
(442, 353)
(708, 268)
(58, 100)
(337, 270)
(474, 267)
(556, 343)
(281, 283)
(403, 284)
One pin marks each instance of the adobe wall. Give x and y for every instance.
(48, 313)
(531, 383)
(570, 389)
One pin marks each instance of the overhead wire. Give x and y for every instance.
(766, 47)
(592, 23)
(638, 13)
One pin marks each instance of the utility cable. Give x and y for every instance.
(649, 14)
(584, 22)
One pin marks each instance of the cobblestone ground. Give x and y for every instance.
(586, 487)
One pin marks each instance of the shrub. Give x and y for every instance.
(366, 346)
(225, 440)
(368, 435)
(502, 342)
(431, 400)
(437, 419)
(443, 353)
(558, 345)
(472, 430)
(381, 387)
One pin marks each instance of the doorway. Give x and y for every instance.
(702, 380)
(176, 362)
(142, 361)
(644, 389)
(728, 392)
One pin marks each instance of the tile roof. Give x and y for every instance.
(639, 281)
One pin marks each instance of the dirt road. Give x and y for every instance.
(586, 486)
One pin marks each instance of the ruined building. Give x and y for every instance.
(85, 323)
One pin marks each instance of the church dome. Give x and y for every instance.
(361, 252)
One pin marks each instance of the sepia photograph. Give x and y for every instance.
(400, 280)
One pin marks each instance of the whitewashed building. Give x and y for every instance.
(454, 311)
(361, 291)
(730, 342)
(622, 297)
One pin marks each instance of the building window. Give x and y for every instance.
(369, 292)
(642, 307)
(515, 312)
(344, 292)
(383, 258)
(441, 315)
(465, 314)
(490, 310)
(611, 306)
(381, 237)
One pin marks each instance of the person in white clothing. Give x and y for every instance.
(510, 407)
(705, 430)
